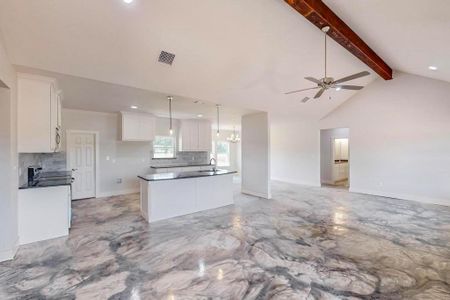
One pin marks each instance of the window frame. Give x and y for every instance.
(228, 154)
(174, 147)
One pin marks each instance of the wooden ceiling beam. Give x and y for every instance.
(321, 15)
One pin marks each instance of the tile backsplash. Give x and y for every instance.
(185, 157)
(48, 162)
(57, 161)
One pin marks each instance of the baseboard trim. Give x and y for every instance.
(117, 193)
(421, 199)
(257, 194)
(329, 182)
(9, 254)
(308, 183)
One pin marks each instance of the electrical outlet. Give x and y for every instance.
(119, 180)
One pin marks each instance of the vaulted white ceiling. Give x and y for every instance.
(236, 52)
(410, 35)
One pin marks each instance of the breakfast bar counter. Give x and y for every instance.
(168, 195)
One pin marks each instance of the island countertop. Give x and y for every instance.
(180, 165)
(184, 175)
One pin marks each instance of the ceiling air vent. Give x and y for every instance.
(166, 57)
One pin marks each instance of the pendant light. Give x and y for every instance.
(170, 98)
(218, 120)
(234, 137)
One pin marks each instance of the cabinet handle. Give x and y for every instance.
(57, 139)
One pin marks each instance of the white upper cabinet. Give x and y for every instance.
(195, 135)
(204, 135)
(39, 114)
(138, 127)
(341, 149)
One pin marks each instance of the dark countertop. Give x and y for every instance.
(46, 183)
(49, 179)
(184, 175)
(180, 166)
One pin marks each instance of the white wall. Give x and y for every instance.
(326, 151)
(125, 160)
(399, 138)
(255, 147)
(8, 157)
(295, 150)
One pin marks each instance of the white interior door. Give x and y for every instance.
(81, 159)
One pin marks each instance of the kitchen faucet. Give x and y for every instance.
(215, 163)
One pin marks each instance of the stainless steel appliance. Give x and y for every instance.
(33, 173)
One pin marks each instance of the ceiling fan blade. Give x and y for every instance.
(350, 87)
(319, 93)
(306, 99)
(313, 80)
(351, 77)
(297, 91)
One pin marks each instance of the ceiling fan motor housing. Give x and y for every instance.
(328, 80)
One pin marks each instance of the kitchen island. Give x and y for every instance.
(168, 195)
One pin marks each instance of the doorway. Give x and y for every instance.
(335, 158)
(82, 159)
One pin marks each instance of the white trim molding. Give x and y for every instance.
(8, 254)
(117, 193)
(260, 195)
(308, 183)
(421, 199)
(97, 155)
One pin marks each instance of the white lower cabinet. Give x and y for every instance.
(43, 213)
(340, 171)
(171, 198)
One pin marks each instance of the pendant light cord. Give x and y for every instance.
(170, 112)
(218, 128)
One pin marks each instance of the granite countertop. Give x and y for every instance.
(180, 165)
(184, 175)
(49, 179)
(46, 183)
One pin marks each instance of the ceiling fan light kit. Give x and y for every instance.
(327, 82)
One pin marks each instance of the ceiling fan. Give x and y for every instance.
(328, 82)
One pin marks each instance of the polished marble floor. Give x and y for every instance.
(306, 243)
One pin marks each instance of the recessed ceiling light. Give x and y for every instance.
(133, 107)
(338, 88)
(432, 68)
(128, 1)
(200, 115)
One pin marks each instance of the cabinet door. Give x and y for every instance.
(204, 136)
(34, 120)
(59, 120)
(344, 149)
(186, 135)
(146, 128)
(43, 213)
(130, 127)
(194, 134)
(54, 143)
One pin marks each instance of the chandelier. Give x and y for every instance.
(234, 137)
